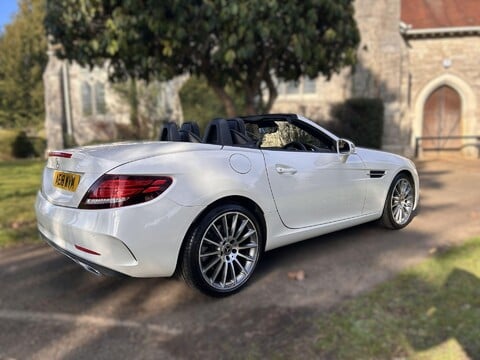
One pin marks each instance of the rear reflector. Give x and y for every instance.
(60, 154)
(88, 251)
(111, 191)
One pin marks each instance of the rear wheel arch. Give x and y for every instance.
(227, 200)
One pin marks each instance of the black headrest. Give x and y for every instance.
(190, 126)
(218, 132)
(170, 132)
(237, 124)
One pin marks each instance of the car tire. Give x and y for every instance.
(222, 251)
(398, 209)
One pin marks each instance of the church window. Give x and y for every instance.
(100, 104)
(291, 87)
(93, 99)
(309, 86)
(87, 108)
(304, 86)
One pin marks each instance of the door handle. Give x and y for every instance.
(282, 169)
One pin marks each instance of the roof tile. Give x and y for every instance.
(427, 14)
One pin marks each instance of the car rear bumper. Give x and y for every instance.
(87, 265)
(139, 241)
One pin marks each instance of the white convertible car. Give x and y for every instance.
(210, 207)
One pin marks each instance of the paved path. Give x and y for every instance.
(50, 308)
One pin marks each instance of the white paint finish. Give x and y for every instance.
(313, 192)
(312, 188)
(240, 163)
(152, 232)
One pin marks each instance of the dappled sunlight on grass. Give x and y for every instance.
(435, 305)
(19, 183)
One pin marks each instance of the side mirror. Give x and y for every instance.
(345, 148)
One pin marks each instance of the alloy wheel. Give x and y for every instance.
(229, 251)
(402, 201)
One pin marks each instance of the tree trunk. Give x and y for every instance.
(250, 108)
(226, 100)
(272, 93)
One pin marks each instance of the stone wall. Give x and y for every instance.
(67, 124)
(316, 106)
(54, 111)
(380, 72)
(452, 61)
(382, 67)
(96, 127)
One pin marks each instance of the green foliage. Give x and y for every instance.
(7, 137)
(241, 45)
(39, 146)
(22, 147)
(23, 57)
(200, 104)
(429, 312)
(15, 143)
(360, 120)
(19, 183)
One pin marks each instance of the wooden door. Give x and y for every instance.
(442, 117)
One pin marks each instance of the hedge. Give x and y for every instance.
(360, 120)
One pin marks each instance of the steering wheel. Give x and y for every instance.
(313, 148)
(295, 145)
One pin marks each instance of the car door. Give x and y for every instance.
(315, 186)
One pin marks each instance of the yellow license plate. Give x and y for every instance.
(66, 181)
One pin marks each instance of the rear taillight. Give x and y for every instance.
(111, 191)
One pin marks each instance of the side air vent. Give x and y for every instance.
(377, 174)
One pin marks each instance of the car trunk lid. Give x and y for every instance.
(70, 173)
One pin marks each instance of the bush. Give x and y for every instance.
(22, 147)
(39, 146)
(360, 120)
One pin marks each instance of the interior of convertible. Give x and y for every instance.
(262, 132)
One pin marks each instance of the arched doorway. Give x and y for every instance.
(442, 116)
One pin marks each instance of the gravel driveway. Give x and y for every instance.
(50, 308)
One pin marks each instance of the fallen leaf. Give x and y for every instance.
(297, 275)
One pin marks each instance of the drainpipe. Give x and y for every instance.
(66, 99)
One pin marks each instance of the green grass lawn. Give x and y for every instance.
(429, 312)
(19, 183)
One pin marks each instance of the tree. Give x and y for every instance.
(23, 57)
(244, 45)
(200, 104)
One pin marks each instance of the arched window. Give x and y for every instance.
(87, 108)
(100, 104)
(309, 86)
(93, 99)
(303, 86)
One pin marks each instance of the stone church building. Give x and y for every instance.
(421, 57)
(83, 107)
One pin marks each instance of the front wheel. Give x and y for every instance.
(222, 251)
(398, 209)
